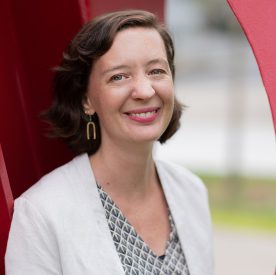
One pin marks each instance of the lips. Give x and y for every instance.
(144, 115)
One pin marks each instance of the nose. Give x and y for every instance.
(142, 88)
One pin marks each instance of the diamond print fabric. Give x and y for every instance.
(135, 255)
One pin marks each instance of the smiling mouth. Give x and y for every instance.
(143, 115)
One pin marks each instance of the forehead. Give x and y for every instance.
(138, 34)
(134, 44)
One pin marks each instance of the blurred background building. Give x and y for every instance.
(227, 126)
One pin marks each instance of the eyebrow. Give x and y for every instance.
(158, 60)
(115, 68)
(151, 62)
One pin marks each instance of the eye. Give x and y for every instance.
(117, 77)
(157, 71)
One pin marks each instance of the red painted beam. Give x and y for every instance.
(6, 197)
(258, 20)
(6, 206)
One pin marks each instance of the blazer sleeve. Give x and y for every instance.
(32, 247)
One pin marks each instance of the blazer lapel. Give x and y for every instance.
(190, 219)
(105, 254)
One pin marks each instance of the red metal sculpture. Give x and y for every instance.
(258, 20)
(6, 204)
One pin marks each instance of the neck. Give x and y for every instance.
(127, 172)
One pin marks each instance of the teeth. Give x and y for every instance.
(147, 114)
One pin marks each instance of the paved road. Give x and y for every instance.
(242, 253)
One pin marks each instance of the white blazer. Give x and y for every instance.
(59, 225)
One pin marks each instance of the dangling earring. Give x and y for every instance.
(88, 125)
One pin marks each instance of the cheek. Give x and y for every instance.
(115, 97)
(168, 99)
(166, 92)
(107, 103)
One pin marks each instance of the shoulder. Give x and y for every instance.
(58, 187)
(179, 175)
(57, 180)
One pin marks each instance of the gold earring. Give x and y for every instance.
(90, 123)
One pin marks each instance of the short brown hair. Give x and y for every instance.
(70, 84)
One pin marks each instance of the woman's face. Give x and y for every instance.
(131, 88)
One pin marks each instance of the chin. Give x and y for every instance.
(145, 134)
(146, 138)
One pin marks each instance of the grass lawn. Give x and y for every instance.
(242, 202)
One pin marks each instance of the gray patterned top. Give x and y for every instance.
(135, 255)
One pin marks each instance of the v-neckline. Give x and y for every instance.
(171, 234)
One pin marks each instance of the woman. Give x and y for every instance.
(114, 209)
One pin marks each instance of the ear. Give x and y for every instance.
(88, 107)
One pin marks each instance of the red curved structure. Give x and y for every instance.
(6, 204)
(258, 20)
